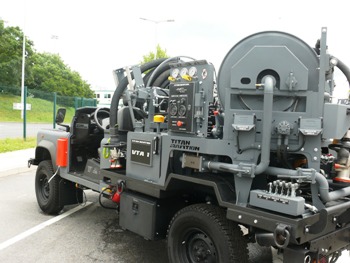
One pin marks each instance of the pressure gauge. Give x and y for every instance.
(175, 73)
(192, 72)
(183, 72)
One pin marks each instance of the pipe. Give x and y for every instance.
(266, 131)
(266, 138)
(224, 167)
(323, 186)
(340, 65)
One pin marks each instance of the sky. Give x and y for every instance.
(96, 37)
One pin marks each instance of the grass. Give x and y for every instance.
(41, 110)
(9, 145)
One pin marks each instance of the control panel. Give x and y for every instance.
(191, 98)
(181, 105)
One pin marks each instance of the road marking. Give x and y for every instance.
(39, 227)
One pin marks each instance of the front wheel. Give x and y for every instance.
(202, 233)
(47, 194)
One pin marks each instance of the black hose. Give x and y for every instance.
(121, 88)
(147, 76)
(165, 84)
(100, 201)
(161, 78)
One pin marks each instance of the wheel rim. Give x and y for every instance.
(44, 187)
(197, 246)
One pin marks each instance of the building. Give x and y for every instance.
(103, 96)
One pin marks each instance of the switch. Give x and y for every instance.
(180, 123)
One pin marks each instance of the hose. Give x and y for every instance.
(100, 200)
(161, 78)
(121, 88)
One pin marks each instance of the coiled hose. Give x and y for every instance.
(124, 82)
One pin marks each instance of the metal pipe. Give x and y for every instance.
(266, 137)
(266, 131)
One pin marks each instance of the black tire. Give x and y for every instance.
(202, 233)
(47, 194)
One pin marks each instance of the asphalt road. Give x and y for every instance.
(15, 129)
(91, 234)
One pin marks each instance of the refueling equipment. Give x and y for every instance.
(196, 157)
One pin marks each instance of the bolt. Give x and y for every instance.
(307, 230)
(315, 150)
(255, 221)
(302, 149)
(239, 217)
(315, 158)
(334, 219)
(326, 250)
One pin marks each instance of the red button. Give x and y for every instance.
(179, 123)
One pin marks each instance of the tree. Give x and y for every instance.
(160, 54)
(11, 47)
(52, 75)
(43, 71)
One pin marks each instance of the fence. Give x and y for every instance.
(66, 101)
(45, 108)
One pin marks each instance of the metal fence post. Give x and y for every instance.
(25, 113)
(54, 109)
(76, 103)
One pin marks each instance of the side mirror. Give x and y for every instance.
(61, 114)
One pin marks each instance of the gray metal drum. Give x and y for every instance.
(291, 62)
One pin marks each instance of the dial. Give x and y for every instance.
(172, 109)
(182, 110)
(175, 73)
(192, 72)
(183, 72)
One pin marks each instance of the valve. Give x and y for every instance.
(119, 190)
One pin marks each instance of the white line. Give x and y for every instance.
(39, 227)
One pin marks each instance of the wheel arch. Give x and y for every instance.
(214, 186)
(46, 150)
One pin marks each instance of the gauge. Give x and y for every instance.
(183, 72)
(192, 72)
(172, 109)
(182, 110)
(175, 73)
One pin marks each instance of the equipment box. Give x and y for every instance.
(143, 215)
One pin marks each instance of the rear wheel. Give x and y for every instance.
(47, 194)
(202, 233)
